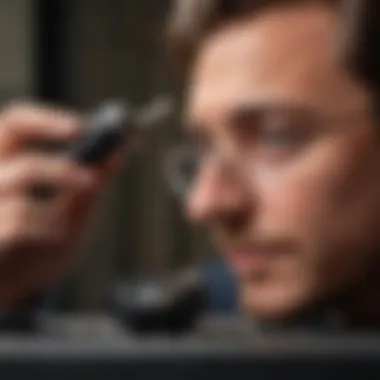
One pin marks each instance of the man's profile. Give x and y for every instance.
(287, 145)
(283, 129)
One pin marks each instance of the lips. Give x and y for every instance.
(251, 260)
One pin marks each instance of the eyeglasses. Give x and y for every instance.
(263, 136)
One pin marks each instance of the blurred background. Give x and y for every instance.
(78, 54)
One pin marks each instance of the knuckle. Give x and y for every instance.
(23, 112)
(16, 110)
(28, 164)
(22, 121)
(24, 169)
(63, 165)
(69, 173)
(34, 169)
(56, 169)
(32, 166)
(66, 115)
(16, 175)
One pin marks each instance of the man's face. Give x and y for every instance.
(297, 215)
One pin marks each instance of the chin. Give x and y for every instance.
(273, 302)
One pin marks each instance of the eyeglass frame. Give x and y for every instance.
(319, 125)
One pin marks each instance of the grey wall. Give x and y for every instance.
(17, 49)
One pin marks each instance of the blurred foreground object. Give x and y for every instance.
(166, 305)
(312, 357)
(175, 304)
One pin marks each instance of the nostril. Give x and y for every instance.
(234, 222)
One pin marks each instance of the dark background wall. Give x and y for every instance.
(89, 51)
(17, 35)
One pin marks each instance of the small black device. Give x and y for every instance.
(112, 125)
(106, 130)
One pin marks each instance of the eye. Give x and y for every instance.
(274, 129)
(279, 138)
(282, 139)
(283, 133)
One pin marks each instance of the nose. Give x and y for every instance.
(214, 197)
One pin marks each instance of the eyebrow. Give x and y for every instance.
(249, 111)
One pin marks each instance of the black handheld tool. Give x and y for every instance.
(107, 130)
(112, 125)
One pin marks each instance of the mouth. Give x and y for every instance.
(250, 260)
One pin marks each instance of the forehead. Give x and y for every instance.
(282, 56)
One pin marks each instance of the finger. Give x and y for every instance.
(23, 221)
(30, 241)
(30, 170)
(20, 124)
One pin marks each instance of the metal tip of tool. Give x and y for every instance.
(157, 111)
(110, 115)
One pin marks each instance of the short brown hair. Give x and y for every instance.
(191, 20)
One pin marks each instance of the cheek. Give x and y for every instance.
(323, 187)
(288, 205)
(324, 203)
(294, 200)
